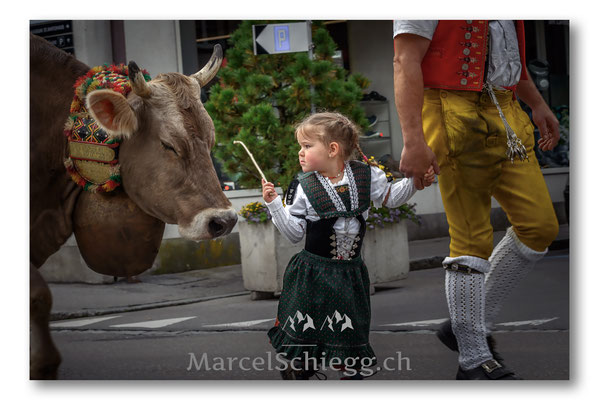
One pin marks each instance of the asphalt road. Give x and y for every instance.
(226, 338)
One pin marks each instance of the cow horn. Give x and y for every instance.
(206, 74)
(138, 83)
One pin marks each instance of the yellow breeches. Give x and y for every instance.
(469, 140)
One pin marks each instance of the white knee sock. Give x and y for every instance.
(466, 301)
(510, 262)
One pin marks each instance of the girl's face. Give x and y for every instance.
(313, 154)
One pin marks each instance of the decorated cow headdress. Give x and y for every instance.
(92, 161)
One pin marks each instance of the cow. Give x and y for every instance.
(166, 170)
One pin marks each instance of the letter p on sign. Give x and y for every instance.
(282, 42)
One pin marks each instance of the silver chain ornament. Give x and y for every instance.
(514, 144)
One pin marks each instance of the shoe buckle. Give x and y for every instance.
(490, 366)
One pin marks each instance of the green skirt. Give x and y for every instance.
(324, 310)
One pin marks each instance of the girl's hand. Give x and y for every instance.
(268, 191)
(429, 176)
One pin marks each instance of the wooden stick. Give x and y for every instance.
(252, 157)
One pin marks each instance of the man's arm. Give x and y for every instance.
(542, 115)
(416, 156)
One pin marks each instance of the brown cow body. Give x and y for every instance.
(166, 171)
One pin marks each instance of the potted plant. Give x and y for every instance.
(385, 250)
(265, 253)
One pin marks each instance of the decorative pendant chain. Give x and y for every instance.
(515, 148)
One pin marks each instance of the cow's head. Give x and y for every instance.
(165, 152)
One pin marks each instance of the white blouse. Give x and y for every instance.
(346, 229)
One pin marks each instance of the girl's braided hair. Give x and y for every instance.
(331, 127)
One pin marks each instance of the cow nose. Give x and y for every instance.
(222, 225)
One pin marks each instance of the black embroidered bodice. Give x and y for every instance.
(321, 238)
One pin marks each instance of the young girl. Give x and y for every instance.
(324, 308)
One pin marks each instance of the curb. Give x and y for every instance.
(59, 316)
(426, 263)
(415, 265)
(436, 261)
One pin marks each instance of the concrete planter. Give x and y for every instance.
(386, 254)
(265, 254)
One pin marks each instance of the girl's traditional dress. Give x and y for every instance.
(324, 308)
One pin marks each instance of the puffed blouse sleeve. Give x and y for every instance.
(401, 191)
(290, 220)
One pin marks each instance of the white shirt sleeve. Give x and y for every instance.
(421, 27)
(401, 191)
(290, 226)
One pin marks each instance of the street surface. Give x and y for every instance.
(229, 334)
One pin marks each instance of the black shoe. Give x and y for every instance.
(489, 370)
(372, 120)
(373, 96)
(376, 96)
(291, 374)
(492, 344)
(357, 377)
(446, 336)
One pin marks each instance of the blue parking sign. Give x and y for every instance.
(282, 42)
(283, 38)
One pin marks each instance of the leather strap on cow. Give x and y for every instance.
(93, 155)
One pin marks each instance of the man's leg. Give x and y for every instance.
(471, 242)
(523, 195)
(458, 136)
(510, 262)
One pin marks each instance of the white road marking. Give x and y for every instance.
(80, 322)
(242, 324)
(535, 322)
(153, 324)
(419, 323)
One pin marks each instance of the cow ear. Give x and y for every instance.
(112, 112)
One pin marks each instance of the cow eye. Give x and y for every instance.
(169, 147)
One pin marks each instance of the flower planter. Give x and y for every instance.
(265, 254)
(386, 254)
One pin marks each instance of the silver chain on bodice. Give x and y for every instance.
(344, 244)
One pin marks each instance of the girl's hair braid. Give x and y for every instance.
(334, 127)
(372, 163)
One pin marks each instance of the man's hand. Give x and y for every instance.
(548, 126)
(542, 115)
(408, 84)
(415, 162)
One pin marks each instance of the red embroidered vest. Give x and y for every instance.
(456, 56)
